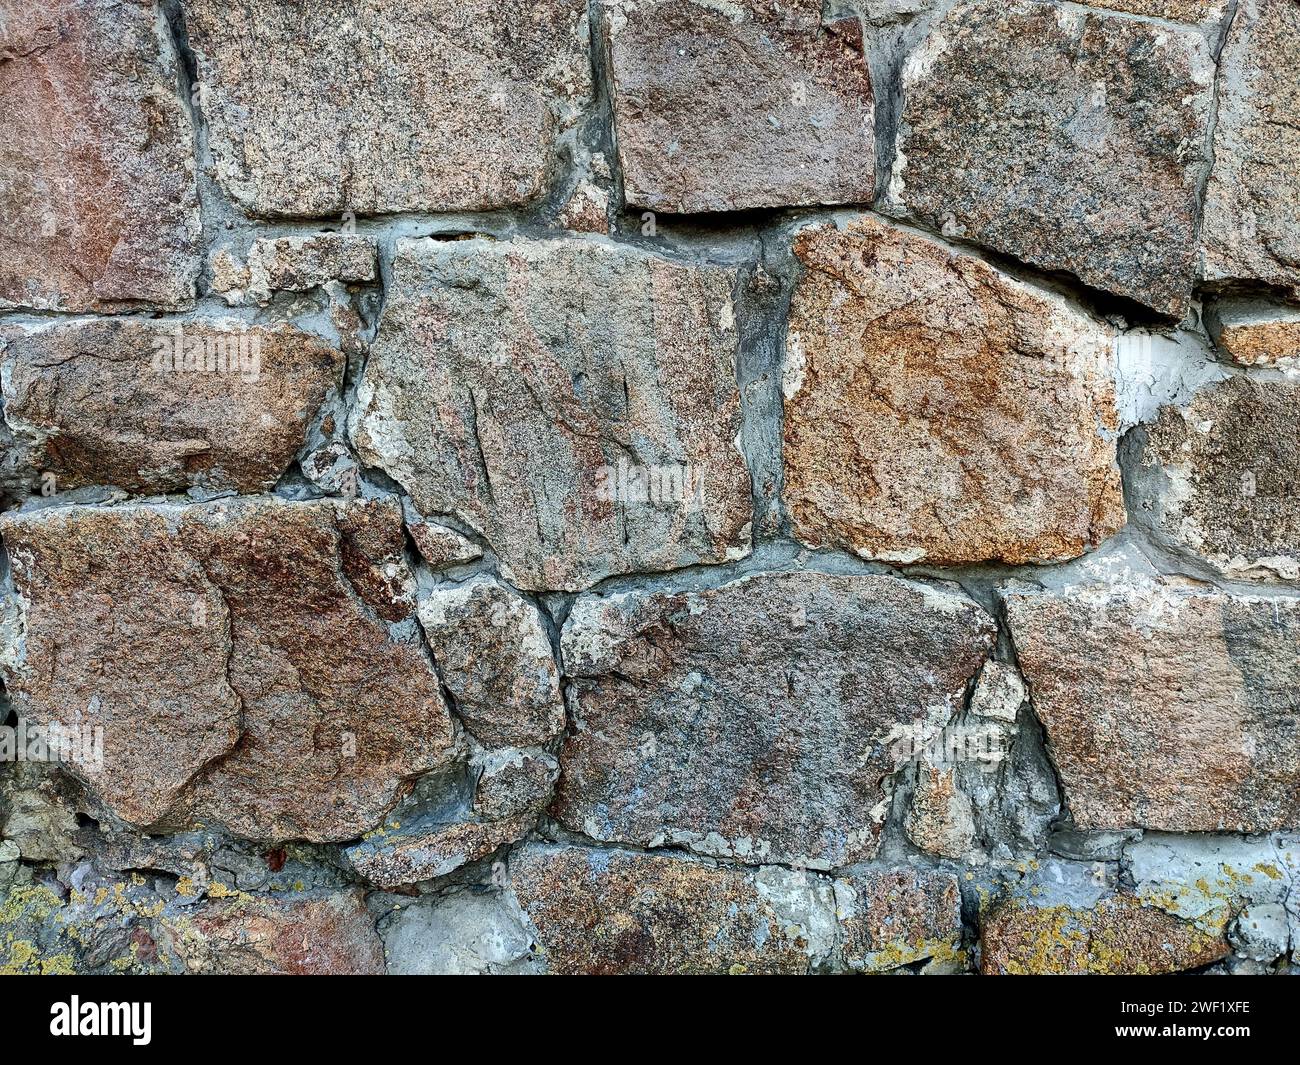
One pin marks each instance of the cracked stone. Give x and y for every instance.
(439, 546)
(233, 656)
(1219, 477)
(581, 414)
(494, 656)
(756, 721)
(603, 912)
(939, 411)
(1072, 140)
(734, 106)
(411, 855)
(156, 406)
(1142, 686)
(295, 264)
(893, 917)
(462, 934)
(513, 782)
(940, 819)
(1117, 936)
(321, 110)
(1251, 225)
(98, 205)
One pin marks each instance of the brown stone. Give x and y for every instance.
(1073, 140)
(1165, 706)
(1197, 11)
(1221, 477)
(1116, 937)
(755, 721)
(582, 410)
(939, 411)
(98, 206)
(153, 406)
(296, 263)
(723, 107)
(494, 656)
(1251, 225)
(940, 818)
(411, 855)
(604, 912)
(899, 916)
(231, 653)
(315, 934)
(1266, 336)
(317, 110)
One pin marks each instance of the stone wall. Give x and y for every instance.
(673, 486)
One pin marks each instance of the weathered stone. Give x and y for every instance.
(318, 110)
(294, 264)
(893, 917)
(940, 819)
(415, 853)
(755, 720)
(1166, 707)
(513, 782)
(1196, 11)
(587, 210)
(999, 693)
(153, 406)
(582, 410)
(722, 107)
(1117, 936)
(1073, 140)
(98, 206)
(1257, 336)
(317, 934)
(617, 912)
(1261, 933)
(440, 546)
(494, 656)
(1251, 225)
(937, 410)
(1219, 477)
(231, 654)
(461, 934)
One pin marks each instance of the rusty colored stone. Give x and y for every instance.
(756, 721)
(898, 916)
(1264, 336)
(733, 106)
(98, 205)
(1166, 706)
(939, 411)
(240, 676)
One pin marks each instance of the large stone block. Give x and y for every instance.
(1166, 707)
(1070, 139)
(98, 204)
(756, 721)
(154, 406)
(574, 401)
(938, 411)
(722, 107)
(387, 105)
(234, 657)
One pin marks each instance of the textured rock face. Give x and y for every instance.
(1129, 679)
(1252, 337)
(938, 411)
(572, 400)
(322, 934)
(232, 656)
(1251, 227)
(1117, 937)
(98, 207)
(416, 854)
(293, 264)
(755, 721)
(899, 916)
(150, 406)
(1218, 477)
(1071, 140)
(318, 110)
(607, 912)
(721, 107)
(494, 656)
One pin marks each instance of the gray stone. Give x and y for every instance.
(466, 933)
(899, 916)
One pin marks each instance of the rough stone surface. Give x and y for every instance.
(581, 412)
(1268, 337)
(755, 721)
(1196, 11)
(462, 934)
(293, 264)
(413, 854)
(893, 917)
(232, 654)
(1069, 139)
(939, 411)
(722, 107)
(940, 819)
(1251, 225)
(440, 546)
(152, 406)
(603, 912)
(1118, 936)
(1127, 679)
(316, 111)
(513, 782)
(1221, 477)
(493, 654)
(98, 206)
